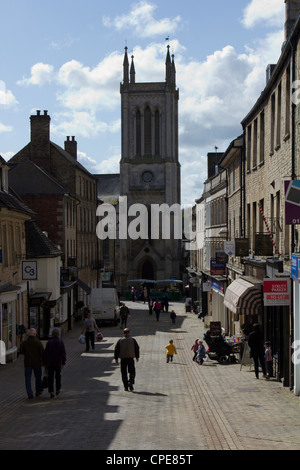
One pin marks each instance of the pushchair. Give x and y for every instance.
(219, 349)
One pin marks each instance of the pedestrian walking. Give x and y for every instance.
(150, 304)
(201, 353)
(133, 292)
(124, 314)
(157, 308)
(255, 344)
(268, 359)
(194, 348)
(173, 317)
(54, 360)
(165, 303)
(89, 327)
(127, 349)
(33, 351)
(171, 350)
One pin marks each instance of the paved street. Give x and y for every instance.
(176, 406)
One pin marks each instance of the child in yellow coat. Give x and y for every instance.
(171, 350)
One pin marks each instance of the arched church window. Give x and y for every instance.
(138, 133)
(147, 131)
(157, 133)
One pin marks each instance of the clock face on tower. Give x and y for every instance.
(147, 176)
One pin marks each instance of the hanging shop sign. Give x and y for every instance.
(277, 292)
(242, 246)
(292, 202)
(263, 245)
(217, 269)
(295, 267)
(229, 248)
(29, 270)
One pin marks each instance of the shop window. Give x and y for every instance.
(8, 325)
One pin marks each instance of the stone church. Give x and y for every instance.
(149, 175)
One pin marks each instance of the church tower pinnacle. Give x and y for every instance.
(126, 67)
(132, 71)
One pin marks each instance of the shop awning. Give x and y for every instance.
(242, 297)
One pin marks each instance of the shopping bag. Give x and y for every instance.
(99, 336)
(81, 339)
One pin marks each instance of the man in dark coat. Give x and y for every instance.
(124, 314)
(33, 350)
(256, 346)
(54, 360)
(127, 349)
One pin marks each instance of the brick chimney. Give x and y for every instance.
(292, 11)
(40, 139)
(71, 146)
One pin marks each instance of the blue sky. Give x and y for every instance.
(66, 56)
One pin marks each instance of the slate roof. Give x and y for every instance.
(108, 187)
(25, 177)
(38, 245)
(13, 202)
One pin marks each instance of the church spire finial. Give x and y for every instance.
(132, 71)
(170, 68)
(126, 67)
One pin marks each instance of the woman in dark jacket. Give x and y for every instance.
(54, 360)
(257, 352)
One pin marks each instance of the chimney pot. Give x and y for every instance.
(71, 146)
(292, 10)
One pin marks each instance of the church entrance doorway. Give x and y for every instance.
(148, 270)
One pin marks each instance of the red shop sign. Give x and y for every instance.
(277, 292)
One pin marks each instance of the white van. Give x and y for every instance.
(104, 304)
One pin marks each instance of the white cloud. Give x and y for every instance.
(6, 96)
(270, 12)
(4, 128)
(82, 124)
(90, 88)
(107, 165)
(110, 164)
(216, 94)
(40, 75)
(63, 43)
(140, 20)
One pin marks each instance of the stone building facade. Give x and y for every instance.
(13, 289)
(262, 213)
(72, 204)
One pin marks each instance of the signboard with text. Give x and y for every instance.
(29, 270)
(217, 269)
(292, 202)
(277, 292)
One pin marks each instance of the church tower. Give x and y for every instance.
(149, 169)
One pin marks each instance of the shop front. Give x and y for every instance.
(9, 298)
(39, 313)
(244, 300)
(295, 275)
